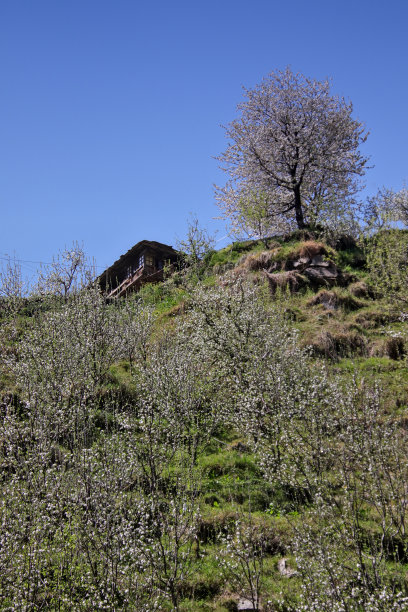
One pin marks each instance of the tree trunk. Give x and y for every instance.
(298, 208)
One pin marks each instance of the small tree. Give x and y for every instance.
(387, 262)
(251, 218)
(401, 201)
(136, 325)
(196, 244)
(13, 287)
(242, 558)
(12, 284)
(384, 209)
(69, 271)
(297, 144)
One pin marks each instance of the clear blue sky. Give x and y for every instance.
(111, 110)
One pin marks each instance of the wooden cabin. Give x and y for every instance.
(142, 264)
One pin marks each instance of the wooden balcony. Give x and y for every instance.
(133, 283)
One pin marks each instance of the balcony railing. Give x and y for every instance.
(126, 284)
(142, 274)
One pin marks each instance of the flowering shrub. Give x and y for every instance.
(101, 498)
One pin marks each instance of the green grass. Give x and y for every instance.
(162, 296)
(352, 259)
(231, 253)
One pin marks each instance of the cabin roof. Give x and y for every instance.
(120, 265)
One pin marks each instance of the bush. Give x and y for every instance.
(387, 262)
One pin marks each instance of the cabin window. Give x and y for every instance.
(150, 261)
(141, 260)
(160, 264)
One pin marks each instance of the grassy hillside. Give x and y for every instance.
(238, 431)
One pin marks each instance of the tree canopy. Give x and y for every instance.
(295, 149)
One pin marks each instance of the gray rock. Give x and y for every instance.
(319, 261)
(322, 275)
(284, 570)
(302, 262)
(246, 604)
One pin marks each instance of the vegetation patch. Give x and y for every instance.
(205, 436)
(335, 299)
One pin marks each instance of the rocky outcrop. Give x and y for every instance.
(318, 270)
(284, 280)
(310, 266)
(323, 275)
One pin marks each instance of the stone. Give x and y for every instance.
(246, 604)
(302, 262)
(322, 275)
(284, 570)
(318, 260)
